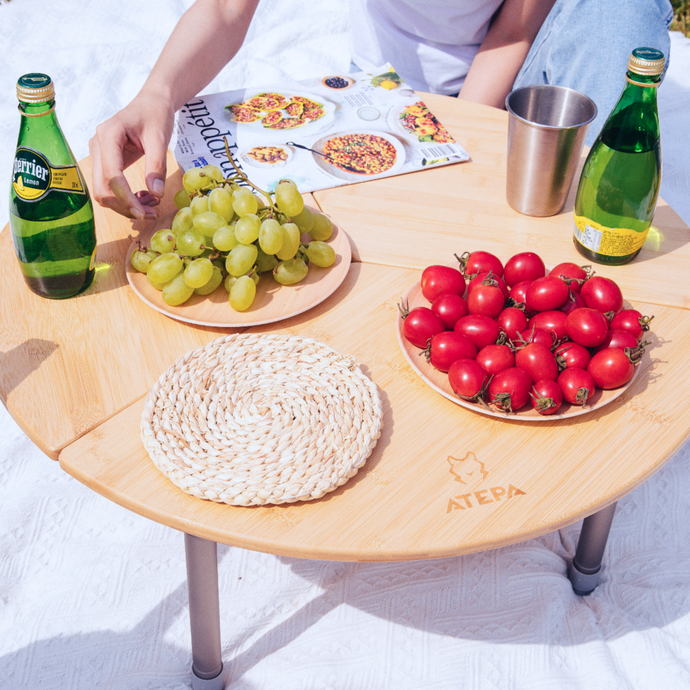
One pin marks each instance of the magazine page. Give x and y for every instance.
(320, 133)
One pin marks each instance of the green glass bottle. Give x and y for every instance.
(619, 186)
(51, 215)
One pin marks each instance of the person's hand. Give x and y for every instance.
(143, 128)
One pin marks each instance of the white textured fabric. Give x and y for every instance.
(93, 596)
(431, 43)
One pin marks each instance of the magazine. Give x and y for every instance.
(320, 133)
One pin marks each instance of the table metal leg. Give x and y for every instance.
(204, 613)
(584, 572)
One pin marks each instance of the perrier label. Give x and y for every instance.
(50, 210)
(34, 176)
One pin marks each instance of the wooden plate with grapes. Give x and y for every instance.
(273, 302)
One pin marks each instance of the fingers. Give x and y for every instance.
(115, 144)
(130, 201)
(142, 128)
(147, 199)
(156, 147)
(110, 188)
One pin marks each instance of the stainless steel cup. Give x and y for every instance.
(546, 132)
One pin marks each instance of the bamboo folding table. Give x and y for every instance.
(442, 480)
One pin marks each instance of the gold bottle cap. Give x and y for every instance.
(35, 88)
(647, 62)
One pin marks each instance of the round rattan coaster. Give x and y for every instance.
(251, 419)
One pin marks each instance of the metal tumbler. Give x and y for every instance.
(546, 133)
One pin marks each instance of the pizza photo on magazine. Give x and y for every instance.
(277, 111)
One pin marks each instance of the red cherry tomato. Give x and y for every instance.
(573, 356)
(487, 300)
(536, 335)
(619, 339)
(574, 301)
(546, 397)
(632, 321)
(495, 358)
(577, 386)
(518, 292)
(448, 346)
(546, 294)
(552, 321)
(512, 322)
(486, 279)
(450, 307)
(611, 368)
(523, 266)
(602, 294)
(573, 274)
(437, 280)
(480, 262)
(468, 379)
(538, 361)
(586, 326)
(509, 389)
(420, 325)
(481, 330)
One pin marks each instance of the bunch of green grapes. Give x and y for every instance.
(225, 233)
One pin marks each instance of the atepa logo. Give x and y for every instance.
(471, 473)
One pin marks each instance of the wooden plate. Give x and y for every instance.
(273, 302)
(439, 381)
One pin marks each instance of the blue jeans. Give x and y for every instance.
(585, 45)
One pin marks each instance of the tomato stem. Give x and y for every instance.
(462, 260)
(542, 403)
(634, 354)
(516, 305)
(480, 395)
(503, 402)
(645, 321)
(583, 395)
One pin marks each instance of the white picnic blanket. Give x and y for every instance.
(93, 596)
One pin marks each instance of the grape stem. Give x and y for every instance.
(246, 179)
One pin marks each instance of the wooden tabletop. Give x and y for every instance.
(442, 480)
(421, 218)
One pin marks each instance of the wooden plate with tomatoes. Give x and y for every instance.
(438, 380)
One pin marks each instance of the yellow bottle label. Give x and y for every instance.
(608, 241)
(34, 176)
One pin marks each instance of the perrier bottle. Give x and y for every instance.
(619, 186)
(50, 210)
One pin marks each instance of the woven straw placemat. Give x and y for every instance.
(251, 419)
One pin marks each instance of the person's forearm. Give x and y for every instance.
(205, 39)
(503, 51)
(492, 74)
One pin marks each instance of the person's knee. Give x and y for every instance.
(602, 34)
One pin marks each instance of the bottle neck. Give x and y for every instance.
(633, 125)
(36, 109)
(642, 80)
(639, 90)
(40, 130)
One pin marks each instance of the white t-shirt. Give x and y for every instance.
(430, 43)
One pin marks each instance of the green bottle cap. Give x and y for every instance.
(646, 62)
(35, 88)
